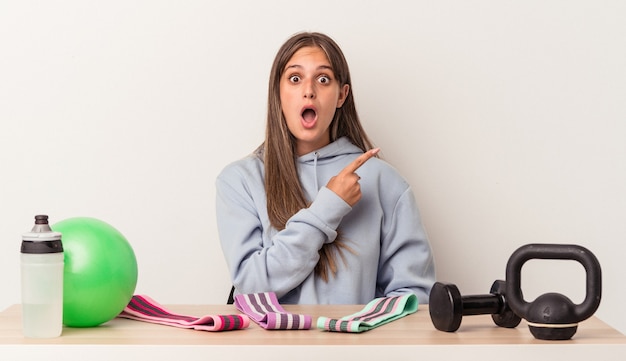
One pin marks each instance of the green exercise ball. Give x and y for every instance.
(100, 271)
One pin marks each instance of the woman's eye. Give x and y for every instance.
(323, 79)
(294, 78)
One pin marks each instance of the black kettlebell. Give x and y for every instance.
(553, 316)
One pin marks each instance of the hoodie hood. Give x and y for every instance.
(316, 168)
(340, 147)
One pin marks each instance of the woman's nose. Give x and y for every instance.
(309, 90)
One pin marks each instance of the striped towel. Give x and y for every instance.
(376, 313)
(264, 309)
(143, 308)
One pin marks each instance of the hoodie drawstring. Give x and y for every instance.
(317, 154)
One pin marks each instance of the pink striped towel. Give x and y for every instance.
(143, 308)
(264, 309)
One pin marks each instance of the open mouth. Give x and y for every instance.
(309, 115)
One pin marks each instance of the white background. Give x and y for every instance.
(508, 118)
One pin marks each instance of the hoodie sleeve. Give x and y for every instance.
(261, 260)
(406, 260)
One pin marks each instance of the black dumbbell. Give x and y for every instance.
(447, 306)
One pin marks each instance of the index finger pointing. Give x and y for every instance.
(360, 160)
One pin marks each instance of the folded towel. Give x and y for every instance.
(376, 313)
(264, 309)
(143, 308)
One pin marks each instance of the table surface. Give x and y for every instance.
(414, 332)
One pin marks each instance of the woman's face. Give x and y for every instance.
(309, 96)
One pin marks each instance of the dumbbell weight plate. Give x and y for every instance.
(506, 317)
(446, 307)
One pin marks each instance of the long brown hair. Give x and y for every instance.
(285, 196)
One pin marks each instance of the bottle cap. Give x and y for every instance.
(41, 239)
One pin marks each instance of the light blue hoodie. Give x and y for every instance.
(391, 256)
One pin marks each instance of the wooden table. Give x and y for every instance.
(411, 338)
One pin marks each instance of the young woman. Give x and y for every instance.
(313, 214)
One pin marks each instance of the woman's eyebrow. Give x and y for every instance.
(298, 66)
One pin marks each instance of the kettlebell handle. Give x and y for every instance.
(559, 252)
